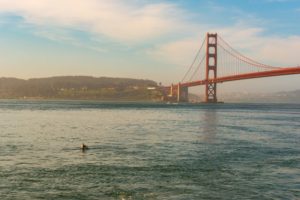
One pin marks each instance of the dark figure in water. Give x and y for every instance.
(83, 147)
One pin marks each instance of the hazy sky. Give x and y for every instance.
(151, 39)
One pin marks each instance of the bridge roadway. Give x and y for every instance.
(270, 73)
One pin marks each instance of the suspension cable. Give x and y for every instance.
(250, 61)
(199, 65)
(191, 66)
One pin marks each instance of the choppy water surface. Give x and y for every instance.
(149, 151)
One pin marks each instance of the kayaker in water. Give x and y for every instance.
(83, 147)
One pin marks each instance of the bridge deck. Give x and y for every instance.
(277, 72)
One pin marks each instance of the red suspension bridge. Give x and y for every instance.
(219, 63)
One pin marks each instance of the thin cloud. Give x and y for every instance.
(54, 35)
(133, 22)
(251, 41)
(115, 19)
(278, 1)
(179, 52)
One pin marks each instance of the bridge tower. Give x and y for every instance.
(211, 68)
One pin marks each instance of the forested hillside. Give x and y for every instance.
(79, 87)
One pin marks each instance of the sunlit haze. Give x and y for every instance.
(147, 39)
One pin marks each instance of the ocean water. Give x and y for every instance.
(148, 151)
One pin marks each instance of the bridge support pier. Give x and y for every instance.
(182, 93)
(171, 90)
(211, 68)
(177, 93)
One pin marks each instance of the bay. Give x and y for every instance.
(148, 150)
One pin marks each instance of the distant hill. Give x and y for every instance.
(246, 97)
(79, 87)
(277, 97)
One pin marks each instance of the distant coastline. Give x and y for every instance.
(107, 89)
(80, 88)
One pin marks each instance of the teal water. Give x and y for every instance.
(149, 151)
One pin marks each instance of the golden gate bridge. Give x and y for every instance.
(217, 62)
